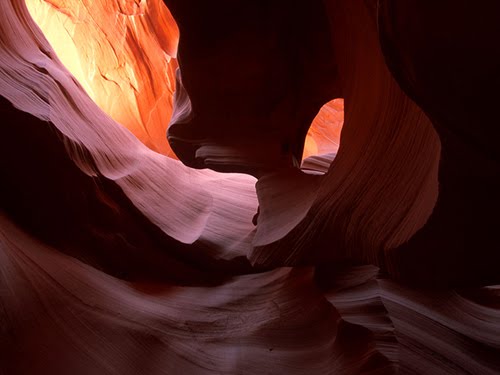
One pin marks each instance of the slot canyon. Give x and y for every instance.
(249, 187)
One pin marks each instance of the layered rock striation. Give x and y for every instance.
(323, 201)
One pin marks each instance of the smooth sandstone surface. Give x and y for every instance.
(329, 209)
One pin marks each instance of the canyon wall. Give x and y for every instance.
(260, 187)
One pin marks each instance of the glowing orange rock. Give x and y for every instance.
(324, 134)
(123, 54)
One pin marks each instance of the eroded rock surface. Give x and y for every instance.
(377, 256)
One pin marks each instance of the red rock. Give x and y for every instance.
(354, 235)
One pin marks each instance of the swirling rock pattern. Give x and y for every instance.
(370, 250)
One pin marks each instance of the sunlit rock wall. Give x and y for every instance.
(122, 53)
(376, 254)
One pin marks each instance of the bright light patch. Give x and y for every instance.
(123, 54)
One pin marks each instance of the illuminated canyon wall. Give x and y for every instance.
(256, 187)
(123, 54)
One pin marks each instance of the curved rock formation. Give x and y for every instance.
(451, 70)
(347, 236)
(122, 53)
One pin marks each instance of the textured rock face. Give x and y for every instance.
(377, 255)
(122, 53)
(447, 68)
